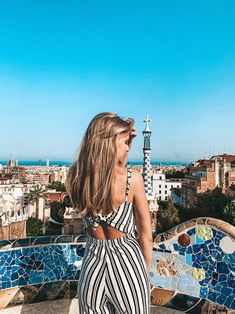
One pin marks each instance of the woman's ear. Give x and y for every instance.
(132, 135)
(133, 132)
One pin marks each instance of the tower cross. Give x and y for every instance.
(147, 120)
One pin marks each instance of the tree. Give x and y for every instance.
(188, 213)
(178, 174)
(67, 201)
(209, 204)
(229, 213)
(167, 216)
(34, 227)
(57, 211)
(58, 186)
(37, 192)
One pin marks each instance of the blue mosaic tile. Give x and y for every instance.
(233, 304)
(189, 259)
(218, 267)
(229, 301)
(216, 241)
(228, 258)
(221, 299)
(42, 264)
(226, 291)
(213, 295)
(201, 257)
(191, 231)
(205, 265)
(214, 231)
(189, 250)
(205, 281)
(176, 246)
(204, 292)
(223, 278)
(215, 283)
(231, 282)
(222, 268)
(199, 240)
(14, 276)
(39, 264)
(231, 266)
(220, 234)
(6, 284)
(196, 248)
(215, 276)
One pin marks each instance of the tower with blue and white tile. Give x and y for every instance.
(147, 174)
(147, 168)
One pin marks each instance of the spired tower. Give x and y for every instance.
(147, 174)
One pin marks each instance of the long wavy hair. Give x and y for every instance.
(89, 180)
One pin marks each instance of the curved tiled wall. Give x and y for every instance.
(195, 259)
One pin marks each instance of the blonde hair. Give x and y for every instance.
(90, 178)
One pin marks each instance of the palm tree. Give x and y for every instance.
(36, 192)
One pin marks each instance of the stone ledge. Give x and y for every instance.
(65, 306)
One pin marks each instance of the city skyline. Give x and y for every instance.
(60, 65)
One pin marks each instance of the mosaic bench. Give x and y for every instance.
(193, 262)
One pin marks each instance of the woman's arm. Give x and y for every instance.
(142, 218)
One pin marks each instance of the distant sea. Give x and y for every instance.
(69, 163)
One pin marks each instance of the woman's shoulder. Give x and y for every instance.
(137, 178)
(135, 171)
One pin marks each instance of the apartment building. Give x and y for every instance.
(207, 174)
(46, 174)
(20, 194)
(16, 174)
(73, 223)
(18, 191)
(13, 216)
(163, 187)
(58, 174)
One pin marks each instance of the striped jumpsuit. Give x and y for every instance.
(113, 277)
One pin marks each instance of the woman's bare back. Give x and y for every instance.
(105, 231)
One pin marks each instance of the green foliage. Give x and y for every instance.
(209, 204)
(33, 227)
(57, 211)
(37, 192)
(188, 213)
(229, 213)
(67, 201)
(58, 186)
(175, 174)
(167, 216)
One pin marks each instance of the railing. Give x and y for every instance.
(42, 240)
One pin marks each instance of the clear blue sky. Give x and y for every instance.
(62, 62)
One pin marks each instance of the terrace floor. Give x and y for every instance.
(65, 306)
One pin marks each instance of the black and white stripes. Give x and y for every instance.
(113, 277)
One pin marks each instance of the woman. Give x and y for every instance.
(112, 201)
